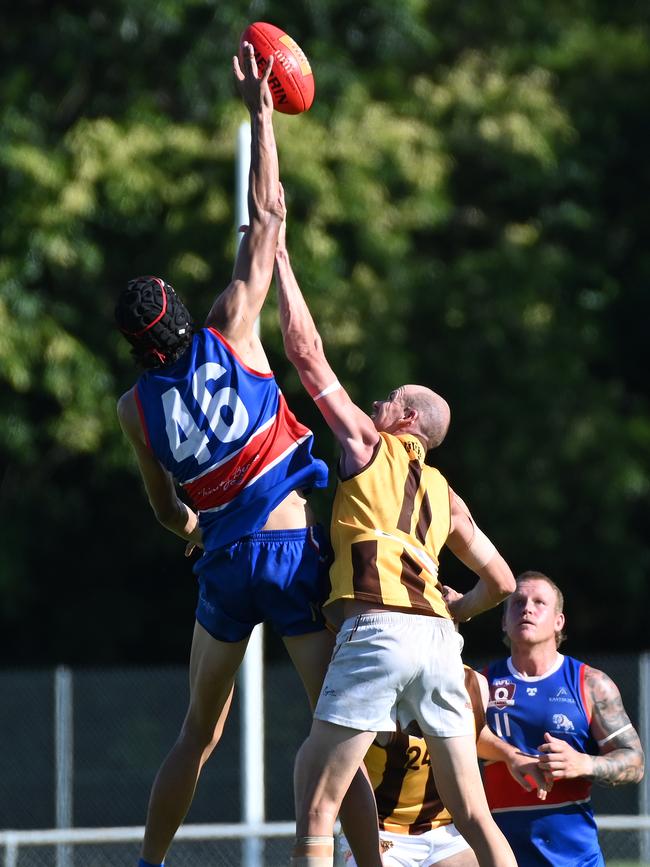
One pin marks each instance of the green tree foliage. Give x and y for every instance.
(467, 209)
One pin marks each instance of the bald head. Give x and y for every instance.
(433, 413)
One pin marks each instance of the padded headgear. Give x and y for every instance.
(154, 320)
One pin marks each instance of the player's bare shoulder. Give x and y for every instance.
(601, 691)
(610, 723)
(128, 416)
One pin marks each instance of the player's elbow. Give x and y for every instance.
(263, 216)
(302, 347)
(500, 579)
(630, 768)
(166, 514)
(638, 770)
(508, 584)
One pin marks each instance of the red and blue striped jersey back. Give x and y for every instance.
(225, 433)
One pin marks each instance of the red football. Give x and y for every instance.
(291, 81)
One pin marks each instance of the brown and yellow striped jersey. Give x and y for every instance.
(407, 797)
(389, 522)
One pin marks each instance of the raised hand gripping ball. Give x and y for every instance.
(291, 81)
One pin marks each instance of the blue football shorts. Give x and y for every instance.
(562, 835)
(280, 577)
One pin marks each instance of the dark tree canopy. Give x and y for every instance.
(467, 209)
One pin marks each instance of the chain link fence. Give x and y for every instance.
(123, 721)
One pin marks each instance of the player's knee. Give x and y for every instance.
(316, 810)
(200, 736)
(322, 811)
(316, 817)
(474, 825)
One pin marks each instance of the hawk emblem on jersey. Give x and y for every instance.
(562, 722)
(502, 694)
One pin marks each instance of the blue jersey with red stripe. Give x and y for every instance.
(227, 436)
(561, 830)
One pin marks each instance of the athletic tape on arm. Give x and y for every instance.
(480, 549)
(614, 734)
(334, 386)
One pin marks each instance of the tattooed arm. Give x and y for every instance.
(620, 758)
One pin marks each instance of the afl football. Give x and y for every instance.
(291, 81)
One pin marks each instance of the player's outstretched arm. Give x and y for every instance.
(169, 510)
(352, 427)
(235, 310)
(476, 551)
(621, 758)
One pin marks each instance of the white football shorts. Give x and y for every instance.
(392, 667)
(412, 850)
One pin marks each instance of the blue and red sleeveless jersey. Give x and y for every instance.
(227, 436)
(560, 830)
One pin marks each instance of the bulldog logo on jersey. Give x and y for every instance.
(502, 694)
(562, 723)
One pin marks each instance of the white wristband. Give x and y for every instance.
(328, 390)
